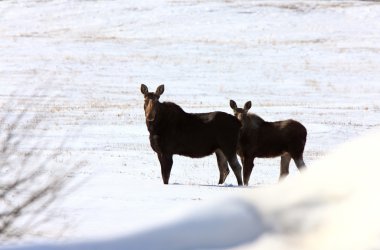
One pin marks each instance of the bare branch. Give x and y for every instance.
(29, 182)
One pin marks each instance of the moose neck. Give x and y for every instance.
(252, 121)
(167, 117)
(244, 121)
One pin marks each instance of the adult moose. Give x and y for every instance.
(262, 139)
(173, 131)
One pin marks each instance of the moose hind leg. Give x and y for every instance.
(223, 166)
(166, 162)
(299, 163)
(236, 168)
(284, 170)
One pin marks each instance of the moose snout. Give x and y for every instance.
(150, 112)
(149, 118)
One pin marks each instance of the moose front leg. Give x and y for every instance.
(236, 167)
(247, 168)
(166, 162)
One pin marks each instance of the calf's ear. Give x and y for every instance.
(144, 89)
(233, 104)
(247, 105)
(160, 89)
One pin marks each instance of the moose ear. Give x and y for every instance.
(160, 89)
(247, 105)
(233, 104)
(144, 89)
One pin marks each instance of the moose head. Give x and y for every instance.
(151, 102)
(240, 113)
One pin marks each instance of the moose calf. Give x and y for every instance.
(262, 139)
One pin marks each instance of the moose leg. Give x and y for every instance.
(223, 166)
(300, 163)
(285, 160)
(247, 168)
(166, 162)
(236, 167)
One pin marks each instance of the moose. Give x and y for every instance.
(262, 139)
(173, 131)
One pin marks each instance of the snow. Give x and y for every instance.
(321, 209)
(79, 65)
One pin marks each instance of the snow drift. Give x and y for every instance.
(332, 206)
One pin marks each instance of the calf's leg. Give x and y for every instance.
(299, 163)
(285, 160)
(247, 168)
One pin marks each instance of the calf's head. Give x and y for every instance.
(240, 113)
(151, 101)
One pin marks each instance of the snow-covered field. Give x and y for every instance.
(79, 64)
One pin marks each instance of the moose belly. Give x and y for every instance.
(194, 151)
(192, 147)
(195, 154)
(269, 154)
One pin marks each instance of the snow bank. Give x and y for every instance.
(220, 225)
(333, 206)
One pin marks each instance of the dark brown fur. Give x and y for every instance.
(262, 139)
(173, 131)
